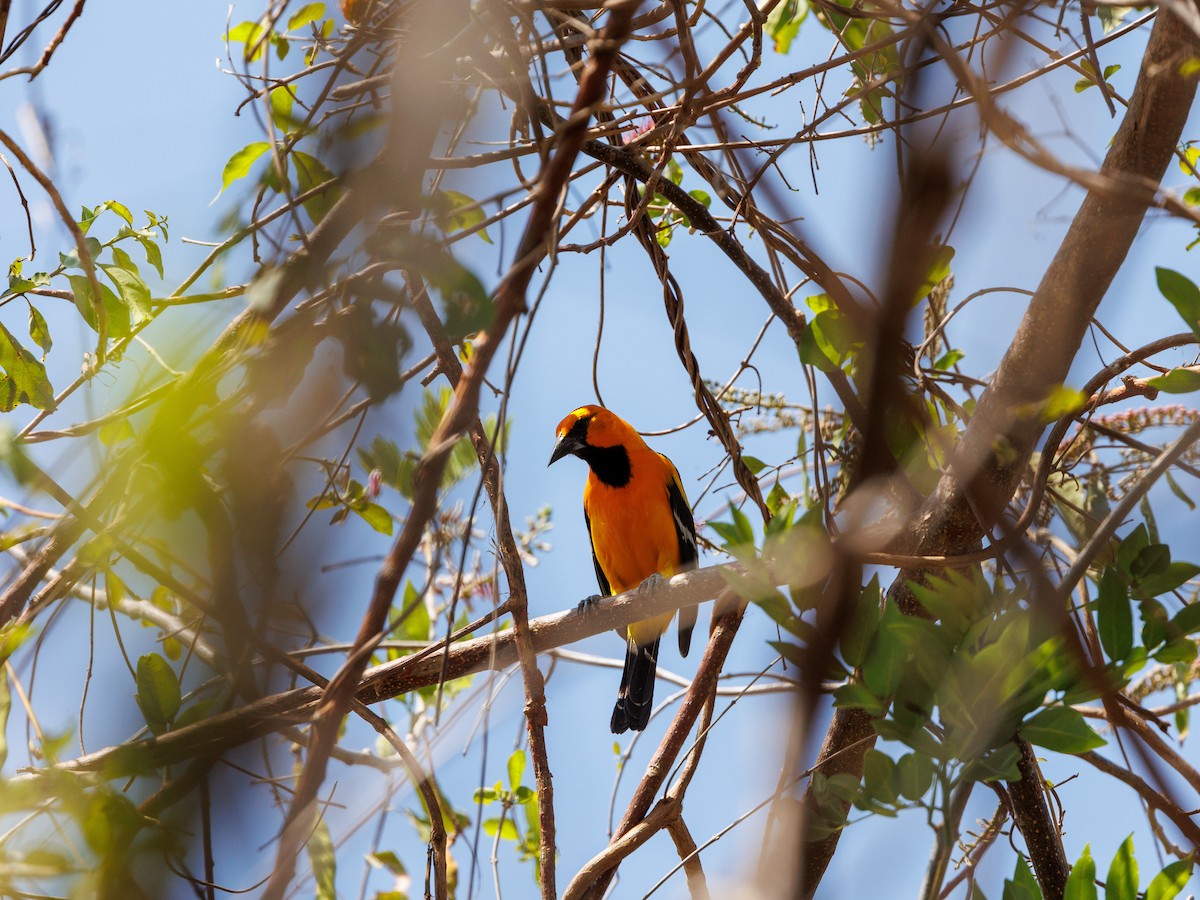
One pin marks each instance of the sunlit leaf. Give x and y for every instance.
(158, 695)
(239, 164)
(1081, 883)
(1061, 729)
(1183, 294)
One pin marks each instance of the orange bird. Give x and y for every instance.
(641, 527)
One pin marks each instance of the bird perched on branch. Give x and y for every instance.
(641, 528)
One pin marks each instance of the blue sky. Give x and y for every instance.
(141, 113)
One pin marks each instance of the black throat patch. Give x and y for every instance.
(610, 464)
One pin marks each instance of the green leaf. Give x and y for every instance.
(25, 378)
(1114, 616)
(1061, 729)
(468, 307)
(1171, 881)
(742, 529)
(39, 331)
(1122, 881)
(239, 164)
(948, 359)
(506, 828)
(375, 516)
(460, 213)
(753, 463)
(1187, 620)
(120, 209)
(387, 860)
(115, 431)
(516, 768)
(310, 173)
(783, 24)
(853, 695)
(323, 859)
(310, 12)
(828, 341)
(1177, 381)
(1081, 883)
(115, 310)
(133, 291)
(1153, 559)
(1183, 294)
(1179, 492)
(940, 256)
(1022, 886)
(1063, 401)
(5, 706)
(252, 35)
(153, 254)
(158, 694)
(1173, 576)
(914, 775)
(879, 772)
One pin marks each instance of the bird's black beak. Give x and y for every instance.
(569, 444)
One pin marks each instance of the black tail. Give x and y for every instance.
(636, 697)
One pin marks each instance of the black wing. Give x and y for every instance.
(605, 590)
(685, 533)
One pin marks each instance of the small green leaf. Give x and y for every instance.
(158, 694)
(39, 331)
(1183, 294)
(948, 360)
(121, 210)
(323, 859)
(783, 23)
(1179, 492)
(1114, 616)
(310, 12)
(1063, 401)
(516, 768)
(387, 860)
(5, 706)
(375, 516)
(1061, 729)
(1168, 883)
(914, 774)
(1122, 881)
(1173, 576)
(1177, 381)
(1022, 886)
(853, 695)
(153, 254)
(311, 173)
(1187, 620)
(753, 463)
(239, 164)
(1081, 883)
(115, 431)
(506, 828)
(133, 292)
(25, 378)
(461, 213)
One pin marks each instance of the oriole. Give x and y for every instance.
(640, 526)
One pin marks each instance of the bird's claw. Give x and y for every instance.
(587, 604)
(650, 583)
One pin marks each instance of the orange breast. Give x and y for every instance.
(633, 530)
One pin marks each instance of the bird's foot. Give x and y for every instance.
(587, 604)
(650, 583)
